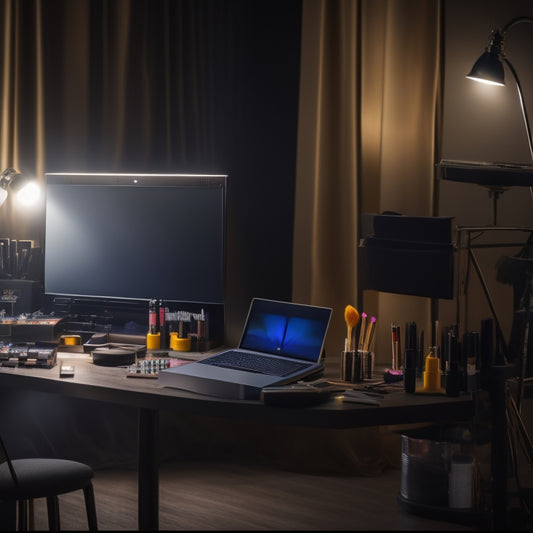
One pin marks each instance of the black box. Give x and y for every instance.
(19, 296)
(407, 268)
(407, 228)
(408, 255)
(31, 329)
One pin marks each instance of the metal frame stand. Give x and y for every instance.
(466, 246)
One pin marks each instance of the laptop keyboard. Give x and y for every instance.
(255, 363)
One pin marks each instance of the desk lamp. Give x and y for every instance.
(27, 190)
(496, 177)
(489, 68)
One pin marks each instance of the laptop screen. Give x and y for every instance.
(287, 329)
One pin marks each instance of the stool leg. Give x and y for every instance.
(90, 506)
(52, 504)
(31, 516)
(23, 515)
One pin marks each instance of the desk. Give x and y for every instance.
(111, 385)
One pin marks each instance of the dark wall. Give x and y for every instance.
(209, 86)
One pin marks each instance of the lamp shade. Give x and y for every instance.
(488, 69)
(5, 180)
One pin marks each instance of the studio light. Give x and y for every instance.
(26, 189)
(5, 180)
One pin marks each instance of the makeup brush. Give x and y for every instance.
(351, 315)
(369, 334)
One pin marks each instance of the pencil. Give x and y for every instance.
(395, 331)
(362, 331)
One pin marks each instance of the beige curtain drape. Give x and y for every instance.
(369, 111)
(21, 122)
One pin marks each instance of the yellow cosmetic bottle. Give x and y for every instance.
(432, 374)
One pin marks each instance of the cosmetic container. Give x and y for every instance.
(178, 344)
(433, 373)
(367, 357)
(153, 341)
(453, 374)
(460, 482)
(409, 371)
(351, 366)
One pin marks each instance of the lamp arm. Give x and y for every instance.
(522, 105)
(507, 27)
(515, 21)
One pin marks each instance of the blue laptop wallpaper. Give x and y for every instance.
(298, 337)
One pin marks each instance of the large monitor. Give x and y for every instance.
(123, 239)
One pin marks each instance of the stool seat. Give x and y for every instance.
(24, 480)
(38, 478)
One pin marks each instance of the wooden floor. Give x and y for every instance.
(198, 495)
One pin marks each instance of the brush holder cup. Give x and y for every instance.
(351, 366)
(367, 359)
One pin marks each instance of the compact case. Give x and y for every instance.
(111, 354)
(31, 355)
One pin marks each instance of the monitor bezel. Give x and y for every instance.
(88, 305)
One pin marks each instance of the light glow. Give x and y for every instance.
(29, 194)
(486, 82)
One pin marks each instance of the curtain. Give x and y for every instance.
(21, 103)
(179, 86)
(368, 113)
(367, 136)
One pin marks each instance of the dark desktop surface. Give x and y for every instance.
(107, 384)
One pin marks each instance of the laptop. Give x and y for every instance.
(281, 342)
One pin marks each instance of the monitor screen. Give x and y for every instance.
(135, 236)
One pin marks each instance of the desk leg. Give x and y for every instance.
(148, 469)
